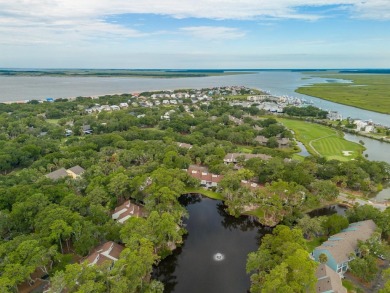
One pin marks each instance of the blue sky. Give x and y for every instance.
(194, 34)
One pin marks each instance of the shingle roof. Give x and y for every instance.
(201, 175)
(328, 280)
(57, 174)
(127, 210)
(62, 173)
(232, 157)
(108, 251)
(77, 170)
(342, 244)
(184, 145)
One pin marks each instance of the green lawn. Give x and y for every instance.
(205, 192)
(323, 141)
(52, 121)
(311, 244)
(246, 150)
(368, 91)
(257, 213)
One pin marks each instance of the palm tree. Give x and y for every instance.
(323, 258)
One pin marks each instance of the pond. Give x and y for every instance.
(304, 152)
(329, 210)
(214, 253)
(375, 151)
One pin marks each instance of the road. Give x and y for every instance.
(344, 198)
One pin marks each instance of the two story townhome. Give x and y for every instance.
(342, 247)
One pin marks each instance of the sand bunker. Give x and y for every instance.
(347, 153)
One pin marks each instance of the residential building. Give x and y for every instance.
(184, 145)
(283, 142)
(57, 174)
(107, 252)
(105, 108)
(74, 172)
(328, 280)
(86, 129)
(234, 157)
(334, 116)
(235, 120)
(360, 125)
(342, 247)
(262, 140)
(127, 210)
(207, 179)
(115, 107)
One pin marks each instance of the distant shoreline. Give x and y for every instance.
(117, 73)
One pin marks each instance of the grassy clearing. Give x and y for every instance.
(368, 91)
(246, 150)
(205, 192)
(297, 157)
(323, 141)
(52, 121)
(257, 213)
(311, 244)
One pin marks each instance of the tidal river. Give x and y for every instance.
(15, 88)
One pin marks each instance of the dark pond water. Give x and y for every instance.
(214, 253)
(329, 210)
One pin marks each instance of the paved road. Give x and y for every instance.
(344, 198)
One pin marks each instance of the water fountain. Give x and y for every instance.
(218, 257)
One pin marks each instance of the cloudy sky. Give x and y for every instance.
(194, 33)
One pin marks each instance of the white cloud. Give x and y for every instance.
(32, 21)
(214, 32)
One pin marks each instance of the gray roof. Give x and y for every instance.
(261, 139)
(328, 280)
(342, 244)
(232, 157)
(77, 170)
(58, 174)
(184, 145)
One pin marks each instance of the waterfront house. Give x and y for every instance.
(369, 128)
(334, 116)
(210, 180)
(360, 125)
(207, 179)
(342, 247)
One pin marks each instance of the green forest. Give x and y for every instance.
(48, 226)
